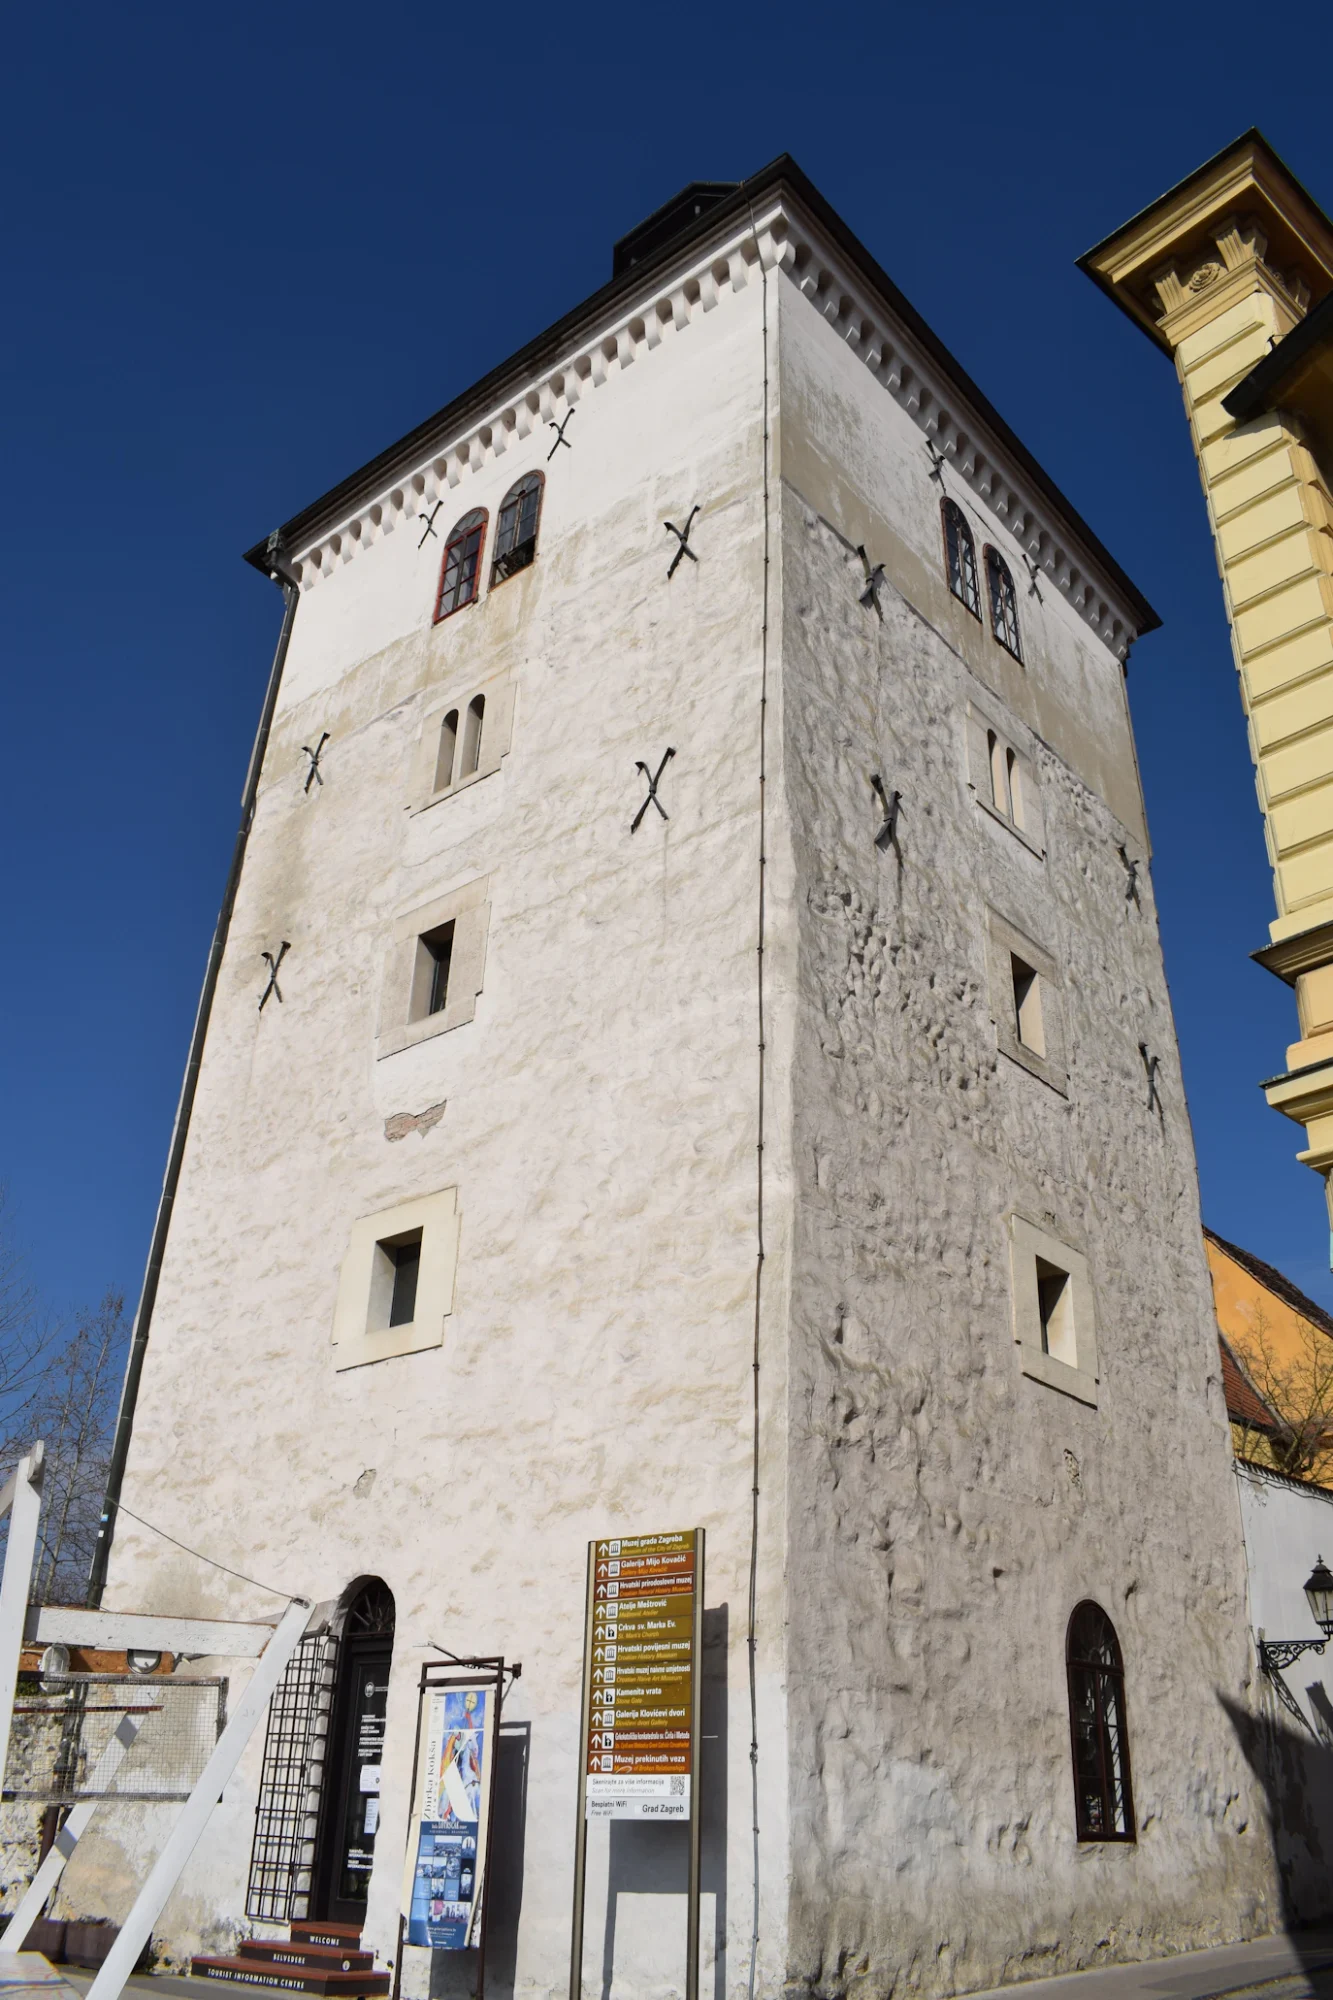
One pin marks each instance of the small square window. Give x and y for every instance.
(1053, 1311)
(396, 1286)
(1026, 1002)
(434, 968)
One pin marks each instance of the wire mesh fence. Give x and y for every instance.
(78, 1737)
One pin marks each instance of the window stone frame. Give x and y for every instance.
(1027, 1243)
(1005, 942)
(979, 724)
(469, 910)
(355, 1342)
(496, 735)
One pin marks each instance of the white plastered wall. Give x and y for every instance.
(599, 1129)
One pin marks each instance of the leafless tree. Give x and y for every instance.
(1297, 1385)
(60, 1382)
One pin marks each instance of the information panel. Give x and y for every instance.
(641, 1672)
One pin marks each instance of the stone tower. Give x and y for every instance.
(1222, 273)
(463, 1230)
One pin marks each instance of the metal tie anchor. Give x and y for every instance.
(652, 798)
(887, 837)
(683, 537)
(870, 595)
(273, 963)
(560, 438)
(314, 774)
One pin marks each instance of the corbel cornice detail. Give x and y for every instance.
(782, 238)
(728, 267)
(900, 365)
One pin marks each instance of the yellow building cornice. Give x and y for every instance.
(1245, 182)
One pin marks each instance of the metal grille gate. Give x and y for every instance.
(287, 1817)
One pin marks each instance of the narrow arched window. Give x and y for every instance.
(461, 567)
(476, 710)
(516, 528)
(444, 759)
(960, 557)
(1103, 1800)
(1003, 603)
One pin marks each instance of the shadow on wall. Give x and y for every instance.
(453, 1974)
(648, 1860)
(1296, 1772)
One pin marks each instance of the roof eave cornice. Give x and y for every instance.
(777, 220)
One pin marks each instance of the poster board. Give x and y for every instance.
(444, 1881)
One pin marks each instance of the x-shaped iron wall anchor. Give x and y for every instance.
(937, 460)
(874, 577)
(652, 798)
(682, 535)
(1034, 572)
(273, 964)
(429, 528)
(314, 776)
(1131, 876)
(1152, 1064)
(560, 438)
(892, 803)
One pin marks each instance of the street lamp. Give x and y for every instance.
(1274, 1654)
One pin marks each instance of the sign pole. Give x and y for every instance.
(581, 1833)
(696, 1800)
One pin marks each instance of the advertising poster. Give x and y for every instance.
(447, 1844)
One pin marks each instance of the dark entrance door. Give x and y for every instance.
(350, 1818)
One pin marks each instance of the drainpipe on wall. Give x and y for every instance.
(280, 572)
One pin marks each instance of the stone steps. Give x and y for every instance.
(321, 1958)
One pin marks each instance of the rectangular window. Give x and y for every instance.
(430, 986)
(1026, 1002)
(1027, 1006)
(396, 1267)
(406, 1267)
(1055, 1308)
(1053, 1311)
(396, 1286)
(435, 964)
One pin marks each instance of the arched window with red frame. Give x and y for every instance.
(1003, 603)
(516, 527)
(1099, 1728)
(960, 557)
(460, 570)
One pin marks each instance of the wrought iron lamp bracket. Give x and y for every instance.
(1274, 1654)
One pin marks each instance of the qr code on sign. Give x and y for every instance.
(678, 1788)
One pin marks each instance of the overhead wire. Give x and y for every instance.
(198, 1554)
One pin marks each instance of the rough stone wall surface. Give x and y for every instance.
(946, 1512)
(599, 1126)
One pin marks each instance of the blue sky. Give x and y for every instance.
(248, 248)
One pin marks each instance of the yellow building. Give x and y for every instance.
(1231, 274)
(1277, 1364)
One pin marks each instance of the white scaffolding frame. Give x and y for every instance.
(270, 1646)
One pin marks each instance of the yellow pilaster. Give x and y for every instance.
(1218, 272)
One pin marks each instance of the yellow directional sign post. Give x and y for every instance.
(639, 1738)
